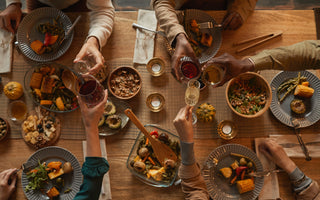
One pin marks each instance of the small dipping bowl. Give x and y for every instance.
(156, 66)
(155, 102)
(227, 130)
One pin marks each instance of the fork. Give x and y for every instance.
(296, 126)
(265, 173)
(205, 25)
(147, 29)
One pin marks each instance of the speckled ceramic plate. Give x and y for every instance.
(27, 33)
(71, 181)
(201, 16)
(217, 185)
(282, 110)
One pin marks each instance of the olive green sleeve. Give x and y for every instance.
(243, 7)
(300, 56)
(167, 18)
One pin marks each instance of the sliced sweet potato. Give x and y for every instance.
(37, 46)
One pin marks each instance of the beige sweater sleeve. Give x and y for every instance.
(167, 18)
(101, 19)
(312, 192)
(193, 185)
(300, 56)
(243, 7)
(8, 2)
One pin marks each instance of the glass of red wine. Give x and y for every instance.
(190, 68)
(89, 90)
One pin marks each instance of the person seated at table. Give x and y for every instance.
(93, 168)
(193, 184)
(237, 13)
(300, 56)
(101, 22)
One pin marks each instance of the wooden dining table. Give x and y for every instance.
(296, 25)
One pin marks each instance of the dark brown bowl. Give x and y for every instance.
(6, 129)
(117, 86)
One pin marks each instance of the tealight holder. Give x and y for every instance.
(155, 102)
(227, 130)
(156, 66)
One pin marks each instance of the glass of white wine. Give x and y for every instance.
(192, 95)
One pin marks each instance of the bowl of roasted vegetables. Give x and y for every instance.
(144, 165)
(248, 95)
(44, 85)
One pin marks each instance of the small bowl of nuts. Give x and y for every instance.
(124, 82)
(4, 128)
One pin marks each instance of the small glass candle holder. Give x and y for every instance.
(155, 102)
(17, 111)
(156, 66)
(227, 130)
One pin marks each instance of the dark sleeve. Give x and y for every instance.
(93, 170)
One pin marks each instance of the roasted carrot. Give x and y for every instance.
(242, 174)
(150, 159)
(233, 180)
(145, 158)
(147, 141)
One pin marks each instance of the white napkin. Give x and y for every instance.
(105, 188)
(144, 47)
(270, 188)
(5, 51)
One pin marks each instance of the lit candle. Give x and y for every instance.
(156, 67)
(155, 102)
(226, 129)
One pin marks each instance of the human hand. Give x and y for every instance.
(273, 151)
(232, 66)
(183, 124)
(232, 21)
(183, 48)
(11, 13)
(7, 189)
(91, 116)
(91, 49)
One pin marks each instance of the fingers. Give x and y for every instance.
(226, 22)
(83, 106)
(7, 24)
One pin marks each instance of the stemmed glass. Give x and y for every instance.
(89, 90)
(192, 95)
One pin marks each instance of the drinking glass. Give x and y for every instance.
(17, 111)
(192, 95)
(213, 73)
(190, 68)
(89, 90)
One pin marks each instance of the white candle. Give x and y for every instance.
(156, 67)
(155, 102)
(226, 129)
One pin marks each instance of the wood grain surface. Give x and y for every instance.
(296, 25)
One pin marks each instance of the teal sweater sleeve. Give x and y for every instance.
(93, 170)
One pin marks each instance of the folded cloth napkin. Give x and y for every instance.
(270, 188)
(144, 47)
(6, 39)
(291, 145)
(105, 188)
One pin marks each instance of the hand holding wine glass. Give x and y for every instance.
(192, 96)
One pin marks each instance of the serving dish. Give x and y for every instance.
(27, 33)
(201, 16)
(124, 82)
(282, 110)
(120, 107)
(4, 128)
(217, 186)
(72, 180)
(258, 85)
(134, 152)
(68, 98)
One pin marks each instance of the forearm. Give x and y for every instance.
(101, 19)
(243, 7)
(93, 143)
(167, 18)
(300, 56)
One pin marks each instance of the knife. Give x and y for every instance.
(290, 145)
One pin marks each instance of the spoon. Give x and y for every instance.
(69, 80)
(161, 150)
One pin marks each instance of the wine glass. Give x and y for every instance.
(89, 90)
(189, 68)
(192, 95)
